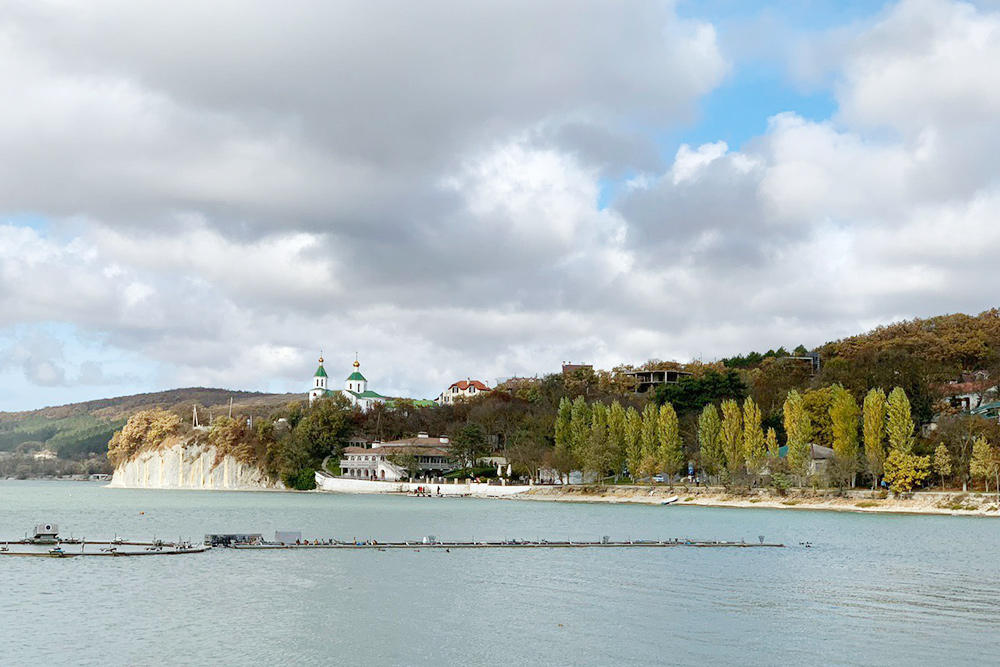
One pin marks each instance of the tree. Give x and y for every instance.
(633, 442)
(579, 428)
(817, 403)
(692, 393)
(469, 445)
(146, 429)
(671, 454)
(798, 429)
(617, 437)
(904, 470)
(563, 455)
(844, 415)
(754, 445)
(650, 440)
(772, 444)
(713, 459)
(596, 456)
(899, 423)
(732, 436)
(985, 463)
(407, 461)
(874, 433)
(942, 462)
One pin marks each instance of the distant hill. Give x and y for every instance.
(80, 429)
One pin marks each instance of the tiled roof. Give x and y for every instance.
(464, 385)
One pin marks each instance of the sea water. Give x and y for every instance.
(872, 589)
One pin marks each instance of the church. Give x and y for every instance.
(355, 388)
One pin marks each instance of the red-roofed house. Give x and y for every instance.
(462, 389)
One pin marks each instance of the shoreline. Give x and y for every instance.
(927, 503)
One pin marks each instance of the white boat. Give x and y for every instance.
(670, 501)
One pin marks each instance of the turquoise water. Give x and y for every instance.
(888, 590)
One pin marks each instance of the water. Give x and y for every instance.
(891, 590)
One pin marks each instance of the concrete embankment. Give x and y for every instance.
(926, 502)
(326, 482)
(189, 466)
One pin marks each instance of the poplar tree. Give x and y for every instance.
(650, 440)
(713, 459)
(772, 443)
(732, 436)
(899, 423)
(596, 458)
(754, 444)
(874, 433)
(985, 463)
(617, 437)
(798, 428)
(563, 454)
(633, 442)
(579, 427)
(844, 415)
(671, 454)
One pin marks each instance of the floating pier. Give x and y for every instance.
(432, 542)
(47, 543)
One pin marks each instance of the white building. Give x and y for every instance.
(376, 462)
(462, 389)
(355, 388)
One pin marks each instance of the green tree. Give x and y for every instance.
(633, 443)
(617, 437)
(650, 440)
(798, 429)
(713, 459)
(579, 428)
(817, 403)
(899, 423)
(469, 445)
(904, 470)
(406, 460)
(563, 455)
(942, 462)
(693, 393)
(754, 443)
(874, 433)
(596, 458)
(671, 454)
(732, 436)
(844, 414)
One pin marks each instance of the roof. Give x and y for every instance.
(818, 452)
(357, 377)
(465, 384)
(320, 372)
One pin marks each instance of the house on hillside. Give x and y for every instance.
(819, 459)
(462, 389)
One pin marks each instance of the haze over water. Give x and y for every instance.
(873, 589)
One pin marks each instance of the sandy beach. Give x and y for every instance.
(954, 503)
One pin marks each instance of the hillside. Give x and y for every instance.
(957, 341)
(80, 429)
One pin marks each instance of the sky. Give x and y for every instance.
(209, 194)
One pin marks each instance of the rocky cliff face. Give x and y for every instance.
(189, 465)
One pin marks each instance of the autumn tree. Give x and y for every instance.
(874, 433)
(844, 415)
(633, 443)
(754, 443)
(617, 437)
(899, 423)
(713, 459)
(798, 429)
(942, 462)
(985, 463)
(732, 436)
(650, 440)
(904, 470)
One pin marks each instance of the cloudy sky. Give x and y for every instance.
(207, 194)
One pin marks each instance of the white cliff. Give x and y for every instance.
(189, 465)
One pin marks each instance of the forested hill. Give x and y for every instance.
(80, 429)
(959, 341)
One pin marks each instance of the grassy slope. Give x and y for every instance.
(79, 429)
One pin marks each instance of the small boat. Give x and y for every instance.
(57, 552)
(670, 501)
